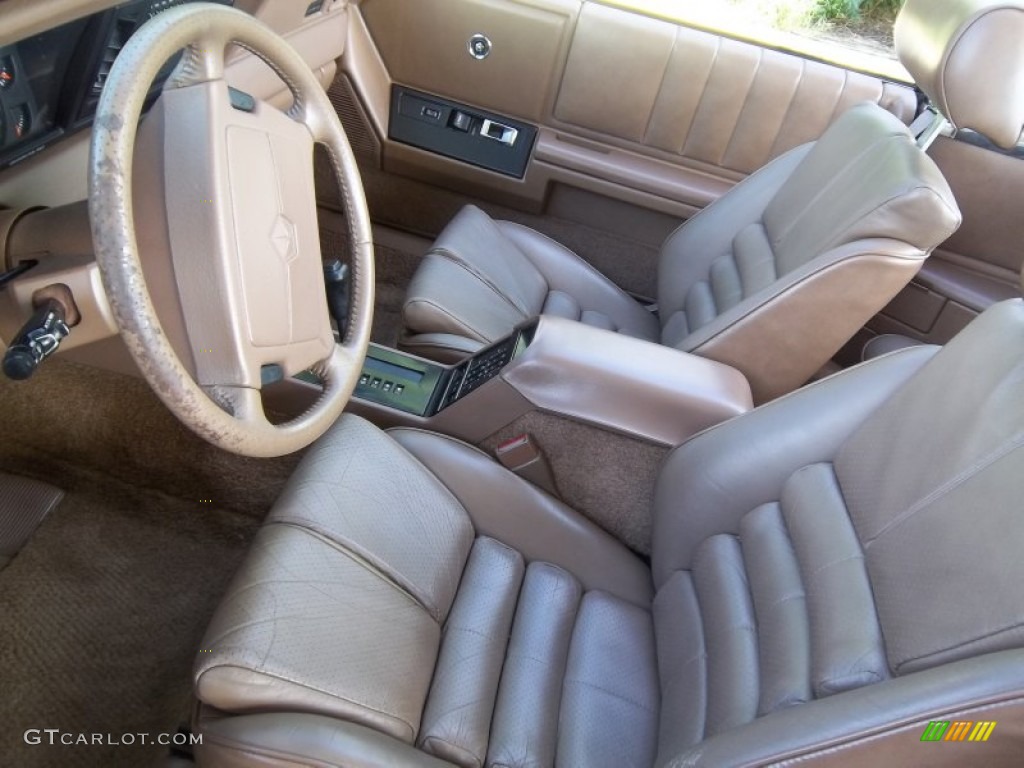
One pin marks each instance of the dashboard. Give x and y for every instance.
(50, 84)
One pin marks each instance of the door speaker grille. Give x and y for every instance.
(361, 136)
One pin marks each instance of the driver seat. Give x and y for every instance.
(830, 574)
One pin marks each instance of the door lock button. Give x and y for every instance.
(460, 121)
(479, 46)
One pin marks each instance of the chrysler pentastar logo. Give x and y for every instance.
(282, 237)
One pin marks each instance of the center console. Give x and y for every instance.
(585, 414)
(644, 390)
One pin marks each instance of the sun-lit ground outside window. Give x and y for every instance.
(852, 33)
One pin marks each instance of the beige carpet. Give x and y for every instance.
(114, 424)
(103, 611)
(104, 607)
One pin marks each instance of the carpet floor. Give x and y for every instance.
(103, 611)
(104, 608)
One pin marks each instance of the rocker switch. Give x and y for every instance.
(460, 121)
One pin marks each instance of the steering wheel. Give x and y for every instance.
(241, 218)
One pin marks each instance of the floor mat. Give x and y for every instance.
(24, 504)
(104, 609)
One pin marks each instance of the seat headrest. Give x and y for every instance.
(968, 57)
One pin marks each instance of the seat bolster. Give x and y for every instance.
(446, 297)
(280, 740)
(566, 272)
(297, 597)
(474, 282)
(711, 481)
(507, 508)
(347, 489)
(882, 724)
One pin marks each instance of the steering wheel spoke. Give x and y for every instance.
(241, 218)
(202, 61)
(243, 403)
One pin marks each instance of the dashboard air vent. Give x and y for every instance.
(119, 34)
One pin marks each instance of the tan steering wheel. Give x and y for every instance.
(241, 217)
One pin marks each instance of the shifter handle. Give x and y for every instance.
(37, 340)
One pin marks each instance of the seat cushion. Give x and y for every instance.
(386, 594)
(483, 277)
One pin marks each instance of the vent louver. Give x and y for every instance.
(119, 34)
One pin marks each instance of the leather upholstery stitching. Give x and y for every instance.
(992, 457)
(472, 270)
(362, 557)
(457, 320)
(613, 694)
(432, 740)
(967, 643)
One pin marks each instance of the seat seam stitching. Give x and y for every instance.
(992, 457)
(471, 269)
(613, 694)
(306, 526)
(458, 320)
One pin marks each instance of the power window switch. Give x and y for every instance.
(460, 121)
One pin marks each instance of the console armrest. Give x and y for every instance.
(625, 384)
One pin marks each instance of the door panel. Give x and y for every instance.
(627, 105)
(424, 44)
(706, 98)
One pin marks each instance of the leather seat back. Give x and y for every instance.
(825, 236)
(890, 559)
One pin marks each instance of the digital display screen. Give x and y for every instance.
(390, 369)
